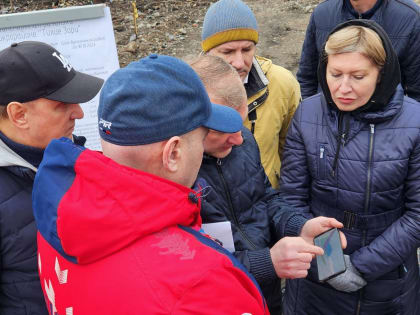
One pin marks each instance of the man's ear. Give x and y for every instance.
(171, 154)
(18, 114)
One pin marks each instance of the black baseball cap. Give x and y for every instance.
(30, 70)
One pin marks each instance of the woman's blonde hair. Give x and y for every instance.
(359, 39)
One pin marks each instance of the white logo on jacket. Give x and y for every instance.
(49, 289)
(61, 274)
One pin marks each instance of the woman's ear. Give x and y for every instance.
(171, 154)
(18, 114)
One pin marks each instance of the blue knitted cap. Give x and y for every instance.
(156, 98)
(228, 20)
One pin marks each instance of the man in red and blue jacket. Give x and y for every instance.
(119, 232)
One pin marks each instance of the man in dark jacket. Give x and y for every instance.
(399, 18)
(39, 97)
(239, 192)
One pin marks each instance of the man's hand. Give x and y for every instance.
(292, 257)
(319, 225)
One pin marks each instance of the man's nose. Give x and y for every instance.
(237, 61)
(76, 111)
(236, 138)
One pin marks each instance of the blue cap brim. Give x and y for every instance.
(224, 119)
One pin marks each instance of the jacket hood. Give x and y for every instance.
(87, 206)
(390, 75)
(15, 162)
(11, 158)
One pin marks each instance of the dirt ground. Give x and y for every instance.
(177, 32)
(173, 27)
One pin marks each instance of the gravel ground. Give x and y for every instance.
(173, 27)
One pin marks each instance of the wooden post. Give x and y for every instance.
(135, 16)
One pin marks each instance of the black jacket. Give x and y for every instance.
(241, 193)
(20, 288)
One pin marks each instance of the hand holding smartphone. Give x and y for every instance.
(332, 262)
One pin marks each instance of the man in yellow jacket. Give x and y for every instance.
(230, 31)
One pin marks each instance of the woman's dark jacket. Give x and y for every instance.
(241, 193)
(399, 18)
(371, 184)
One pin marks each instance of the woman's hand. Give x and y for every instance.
(318, 225)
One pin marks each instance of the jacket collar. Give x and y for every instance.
(257, 81)
(95, 207)
(10, 158)
(388, 112)
(359, 119)
(367, 15)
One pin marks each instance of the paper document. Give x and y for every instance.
(221, 231)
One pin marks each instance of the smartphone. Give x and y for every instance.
(332, 262)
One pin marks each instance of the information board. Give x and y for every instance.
(88, 44)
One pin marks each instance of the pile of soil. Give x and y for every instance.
(173, 27)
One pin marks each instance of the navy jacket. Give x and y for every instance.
(20, 288)
(399, 18)
(366, 175)
(381, 191)
(241, 193)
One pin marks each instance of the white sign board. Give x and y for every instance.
(88, 44)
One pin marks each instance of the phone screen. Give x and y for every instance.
(332, 262)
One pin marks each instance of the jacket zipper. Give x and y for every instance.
(322, 163)
(369, 177)
(252, 126)
(252, 116)
(235, 219)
